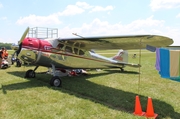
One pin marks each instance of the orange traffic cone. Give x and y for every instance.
(150, 110)
(138, 110)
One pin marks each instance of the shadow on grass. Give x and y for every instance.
(123, 72)
(81, 87)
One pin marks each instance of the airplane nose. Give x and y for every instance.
(30, 43)
(29, 50)
(28, 56)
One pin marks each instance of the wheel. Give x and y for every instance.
(30, 74)
(55, 81)
(18, 63)
(78, 71)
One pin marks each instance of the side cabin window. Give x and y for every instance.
(81, 52)
(75, 50)
(68, 49)
(78, 51)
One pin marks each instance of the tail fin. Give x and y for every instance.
(121, 56)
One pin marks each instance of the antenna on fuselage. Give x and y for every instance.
(77, 35)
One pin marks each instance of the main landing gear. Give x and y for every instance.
(54, 81)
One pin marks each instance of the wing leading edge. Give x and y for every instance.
(116, 42)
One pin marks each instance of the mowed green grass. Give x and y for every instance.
(107, 94)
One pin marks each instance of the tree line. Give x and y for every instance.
(6, 45)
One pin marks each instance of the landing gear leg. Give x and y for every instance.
(122, 70)
(31, 73)
(55, 80)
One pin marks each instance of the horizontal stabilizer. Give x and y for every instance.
(134, 65)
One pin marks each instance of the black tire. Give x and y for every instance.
(55, 81)
(18, 63)
(30, 74)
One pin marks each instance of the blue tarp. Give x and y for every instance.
(164, 63)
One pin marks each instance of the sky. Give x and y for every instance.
(91, 18)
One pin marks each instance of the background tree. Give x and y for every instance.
(6, 45)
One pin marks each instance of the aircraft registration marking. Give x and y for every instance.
(48, 48)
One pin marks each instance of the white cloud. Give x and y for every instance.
(166, 4)
(178, 16)
(1, 5)
(84, 5)
(53, 19)
(80, 7)
(174, 34)
(144, 23)
(33, 20)
(98, 27)
(71, 10)
(3, 18)
(138, 27)
(99, 8)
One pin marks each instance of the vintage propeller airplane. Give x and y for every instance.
(75, 53)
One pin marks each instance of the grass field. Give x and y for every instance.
(107, 94)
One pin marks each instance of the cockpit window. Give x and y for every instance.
(60, 46)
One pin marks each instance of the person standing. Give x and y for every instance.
(5, 54)
(2, 54)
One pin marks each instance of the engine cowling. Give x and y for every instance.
(29, 50)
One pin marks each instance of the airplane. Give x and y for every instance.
(77, 53)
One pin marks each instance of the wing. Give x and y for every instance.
(117, 42)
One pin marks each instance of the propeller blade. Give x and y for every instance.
(23, 36)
